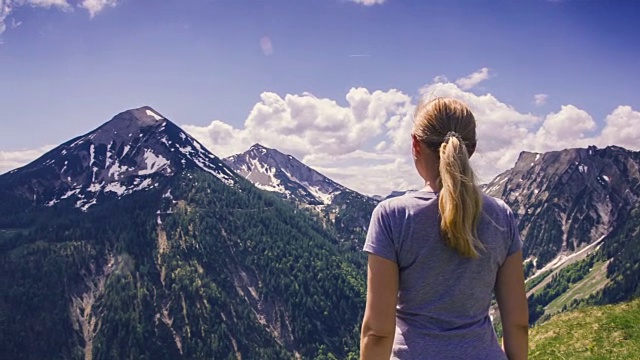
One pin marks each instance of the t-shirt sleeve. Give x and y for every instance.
(379, 240)
(514, 234)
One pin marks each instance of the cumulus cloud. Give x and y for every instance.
(8, 6)
(304, 124)
(622, 128)
(10, 160)
(540, 99)
(368, 2)
(95, 6)
(470, 81)
(5, 10)
(364, 142)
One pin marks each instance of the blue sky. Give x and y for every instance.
(65, 70)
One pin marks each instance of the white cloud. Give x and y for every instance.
(622, 127)
(62, 4)
(471, 80)
(365, 143)
(95, 6)
(5, 10)
(8, 6)
(10, 160)
(305, 124)
(540, 99)
(368, 2)
(14, 24)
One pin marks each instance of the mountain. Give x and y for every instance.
(566, 200)
(120, 157)
(134, 241)
(579, 217)
(268, 169)
(271, 170)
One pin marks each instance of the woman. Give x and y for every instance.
(437, 255)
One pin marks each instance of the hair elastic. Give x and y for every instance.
(451, 134)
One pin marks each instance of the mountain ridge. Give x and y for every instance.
(560, 195)
(197, 264)
(123, 155)
(271, 170)
(346, 210)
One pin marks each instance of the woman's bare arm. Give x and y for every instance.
(379, 323)
(512, 302)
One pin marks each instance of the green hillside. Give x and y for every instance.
(600, 332)
(192, 269)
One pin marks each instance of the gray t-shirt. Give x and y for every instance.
(443, 298)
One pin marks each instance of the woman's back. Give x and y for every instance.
(435, 259)
(443, 298)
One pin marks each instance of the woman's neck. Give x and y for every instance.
(431, 186)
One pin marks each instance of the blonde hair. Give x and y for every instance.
(448, 127)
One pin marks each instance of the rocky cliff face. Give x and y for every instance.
(271, 170)
(566, 200)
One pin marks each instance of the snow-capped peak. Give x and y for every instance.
(131, 152)
(154, 115)
(271, 170)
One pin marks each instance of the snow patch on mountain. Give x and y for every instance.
(153, 162)
(325, 197)
(129, 153)
(116, 170)
(116, 187)
(154, 115)
(95, 187)
(271, 170)
(227, 177)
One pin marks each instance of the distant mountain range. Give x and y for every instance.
(135, 241)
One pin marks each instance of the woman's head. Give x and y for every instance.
(437, 120)
(444, 134)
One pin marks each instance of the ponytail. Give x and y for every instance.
(460, 200)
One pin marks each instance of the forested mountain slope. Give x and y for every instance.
(346, 211)
(198, 263)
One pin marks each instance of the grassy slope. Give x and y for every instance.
(602, 332)
(594, 281)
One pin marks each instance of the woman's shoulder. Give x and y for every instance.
(407, 200)
(495, 202)
(496, 209)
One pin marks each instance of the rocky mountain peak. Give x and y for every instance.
(272, 170)
(566, 200)
(131, 152)
(259, 148)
